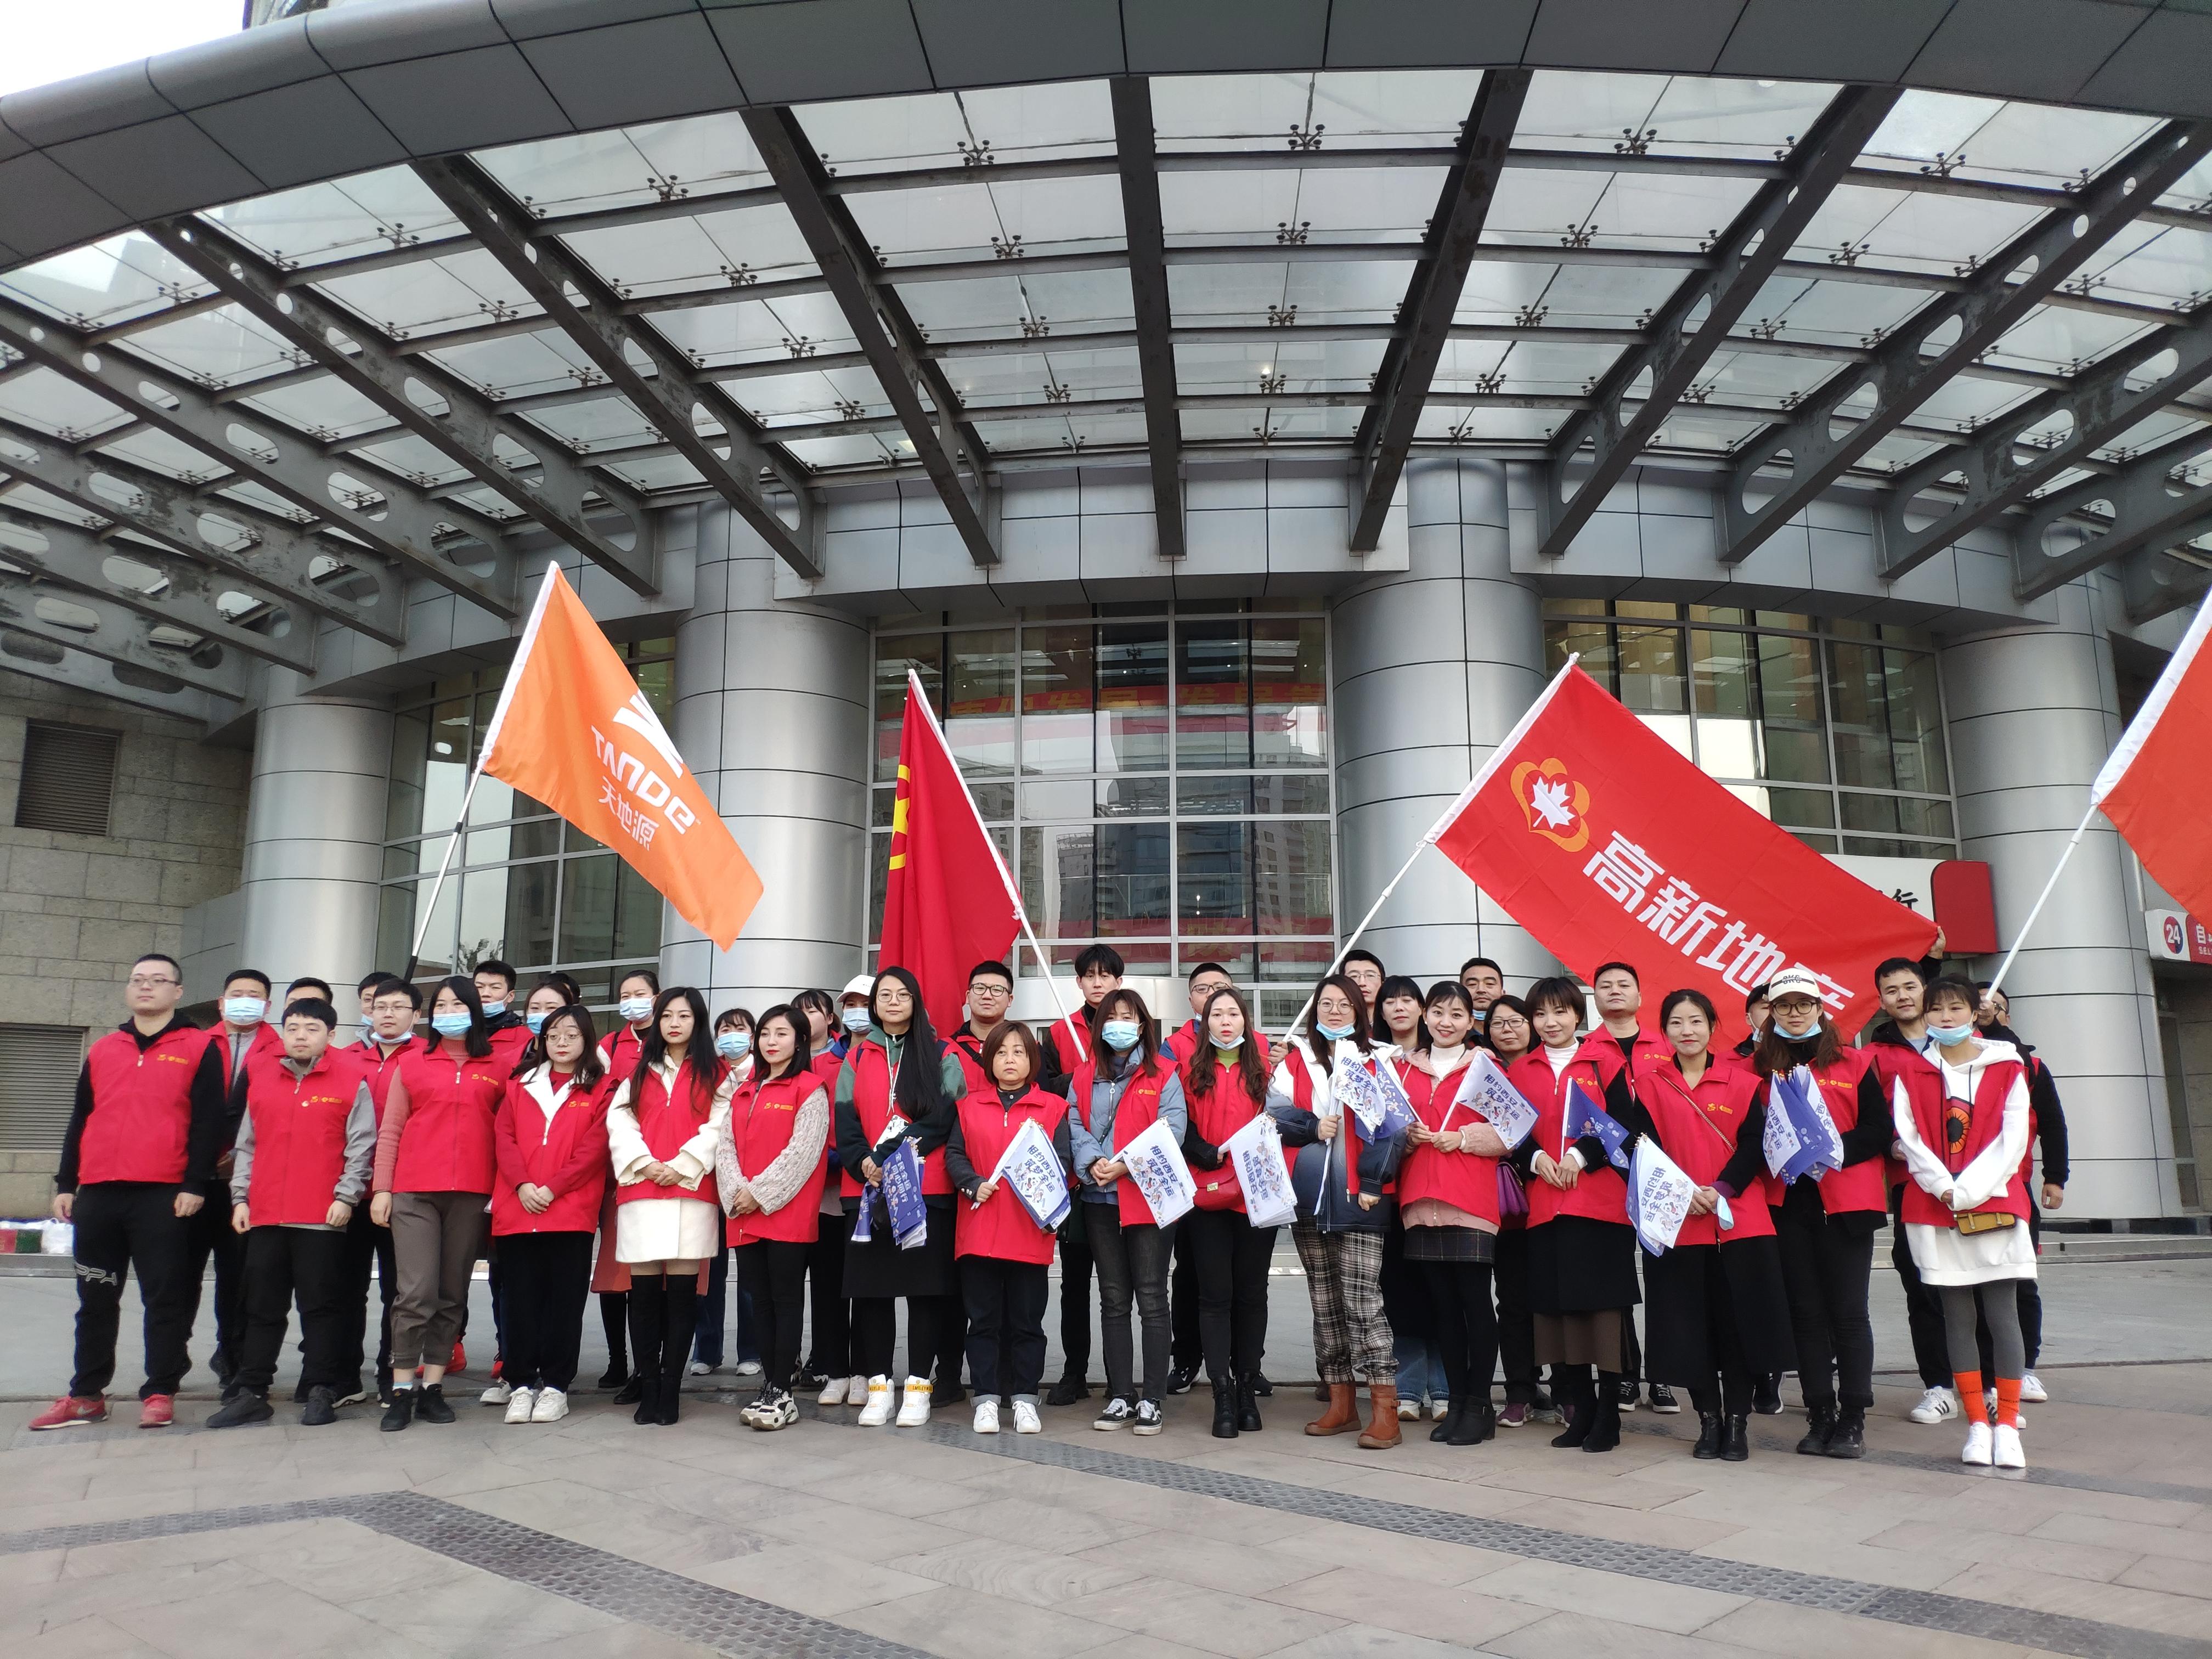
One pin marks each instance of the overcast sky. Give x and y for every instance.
(53, 40)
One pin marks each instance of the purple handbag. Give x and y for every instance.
(1512, 1199)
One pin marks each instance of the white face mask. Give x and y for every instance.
(857, 1020)
(633, 1009)
(244, 1010)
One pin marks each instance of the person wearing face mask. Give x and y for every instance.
(244, 1032)
(1826, 1227)
(1621, 1041)
(829, 1365)
(990, 994)
(551, 1148)
(1964, 1137)
(393, 1005)
(1069, 1043)
(1187, 1345)
(1122, 1091)
(496, 982)
(1343, 1182)
(1483, 982)
(1582, 1251)
(358, 1035)
(1400, 1034)
(1758, 1009)
(734, 1046)
(435, 1170)
(1225, 1086)
(634, 995)
(770, 1172)
(511, 1033)
(1509, 1035)
(2046, 1133)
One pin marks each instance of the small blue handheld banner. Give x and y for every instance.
(902, 1194)
(1589, 1118)
(1819, 1148)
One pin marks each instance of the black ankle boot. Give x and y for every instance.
(1473, 1425)
(1247, 1404)
(1449, 1422)
(1736, 1448)
(1605, 1427)
(400, 1412)
(1709, 1435)
(1224, 1409)
(1581, 1415)
(649, 1399)
(1820, 1424)
(1848, 1438)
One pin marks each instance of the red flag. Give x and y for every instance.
(949, 903)
(1597, 836)
(2156, 789)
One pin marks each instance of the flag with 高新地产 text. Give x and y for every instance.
(1595, 833)
(572, 730)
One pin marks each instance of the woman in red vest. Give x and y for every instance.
(1448, 1199)
(1508, 1035)
(769, 1170)
(636, 993)
(551, 1143)
(1964, 1134)
(1582, 1251)
(1224, 1087)
(1343, 1184)
(1826, 1227)
(828, 1364)
(435, 1170)
(1719, 1316)
(662, 1127)
(1005, 1255)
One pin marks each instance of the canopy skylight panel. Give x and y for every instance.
(792, 326)
(388, 211)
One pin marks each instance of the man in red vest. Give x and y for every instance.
(306, 1143)
(393, 1005)
(137, 1157)
(1617, 990)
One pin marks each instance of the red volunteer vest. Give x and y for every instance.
(267, 1039)
(970, 1058)
(1598, 1194)
(446, 1146)
(668, 1121)
(508, 1042)
(1991, 1086)
(381, 1068)
(1466, 1181)
(1862, 1186)
(1894, 1063)
(1137, 1110)
(999, 1228)
(1217, 1114)
(1698, 1129)
(142, 1107)
(299, 1135)
(761, 1118)
(871, 1099)
(546, 1150)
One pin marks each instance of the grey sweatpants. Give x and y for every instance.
(436, 1238)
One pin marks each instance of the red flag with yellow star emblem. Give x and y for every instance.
(949, 901)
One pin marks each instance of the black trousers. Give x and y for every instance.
(875, 1334)
(832, 1345)
(1825, 1264)
(125, 1227)
(1727, 1391)
(1132, 1262)
(1467, 1326)
(1517, 1325)
(1923, 1307)
(281, 1262)
(1228, 1258)
(1076, 1266)
(1186, 1334)
(1005, 1302)
(772, 1273)
(368, 1246)
(952, 1337)
(214, 1236)
(546, 1279)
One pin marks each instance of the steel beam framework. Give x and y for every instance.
(1145, 237)
(2152, 507)
(120, 635)
(40, 659)
(2154, 580)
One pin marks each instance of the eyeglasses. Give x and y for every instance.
(990, 988)
(144, 982)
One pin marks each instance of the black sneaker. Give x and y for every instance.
(399, 1412)
(810, 1375)
(321, 1408)
(1148, 1416)
(246, 1405)
(430, 1404)
(1766, 1395)
(1180, 1378)
(1664, 1401)
(1071, 1387)
(1624, 1392)
(1261, 1387)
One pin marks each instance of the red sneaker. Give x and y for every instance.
(70, 1410)
(157, 1411)
(497, 1366)
(459, 1362)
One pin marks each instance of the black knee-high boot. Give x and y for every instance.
(614, 1319)
(1576, 1395)
(1605, 1427)
(648, 1314)
(679, 1325)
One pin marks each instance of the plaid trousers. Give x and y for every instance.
(1344, 1276)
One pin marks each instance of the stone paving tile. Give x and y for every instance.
(821, 1583)
(964, 1624)
(1019, 1521)
(1678, 1607)
(623, 1525)
(2172, 1573)
(271, 1619)
(1579, 1636)
(1443, 1612)
(2084, 1598)
(2114, 1533)
(1210, 1563)
(1217, 1621)
(332, 1560)
(1965, 1547)
(1325, 1545)
(1669, 1528)
(81, 1638)
(1815, 1633)
(478, 1612)
(1367, 1641)
(1042, 1577)
(1121, 1644)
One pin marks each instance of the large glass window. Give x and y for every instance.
(1832, 729)
(524, 887)
(1158, 780)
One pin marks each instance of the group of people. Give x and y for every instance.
(303, 1157)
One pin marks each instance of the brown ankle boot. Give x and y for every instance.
(1382, 1431)
(1343, 1413)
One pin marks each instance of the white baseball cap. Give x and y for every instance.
(860, 985)
(1793, 983)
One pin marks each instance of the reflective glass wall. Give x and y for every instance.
(1832, 729)
(1158, 778)
(524, 887)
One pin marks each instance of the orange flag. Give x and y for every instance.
(573, 730)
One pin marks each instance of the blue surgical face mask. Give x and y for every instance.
(367, 1023)
(857, 1019)
(451, 1026)
(1335, 1033)
(535, 1022)
(1119, 1035)
(244, 1010)
(633, 1009)
(734, 1046)
(494, 1010)
(1228, 1048)
(1946, 1036)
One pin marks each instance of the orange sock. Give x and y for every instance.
(1970, 1398)
(2009, 1400)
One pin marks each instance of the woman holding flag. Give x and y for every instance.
(1718, 1315)
(1508, 1035)
(634, 995)
(1826, 1227)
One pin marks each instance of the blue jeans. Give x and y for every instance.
(713, 1313)
(1420, 1369)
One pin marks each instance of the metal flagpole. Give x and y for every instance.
(1996, 979)
(453, 844)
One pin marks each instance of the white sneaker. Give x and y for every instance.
(1114, 1414)
(1939, 1405)
(1148, 1416)
(749, 1368)
(856, 1392)
(986, 1416)
(878, 1411)
(2031, 1390)
(2009, 1452)
(1977, 1448)
(701, 1368)
(778, 1411)
(552, 1405)
(518, 1404)
(833, 1392)
(914, 1406)
(1409, 1411)
(1026, 1418)
(498, 1394)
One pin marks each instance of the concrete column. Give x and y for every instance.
(1431, 669)
(314, 835)
(773, 714)
(2033, 712)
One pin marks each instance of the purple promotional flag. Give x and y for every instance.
(1819, 1147)
(1591, 1119)
(902, 1194)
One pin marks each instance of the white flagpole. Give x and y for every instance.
(1996, 979)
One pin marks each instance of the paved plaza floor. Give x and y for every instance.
(596, 1537)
